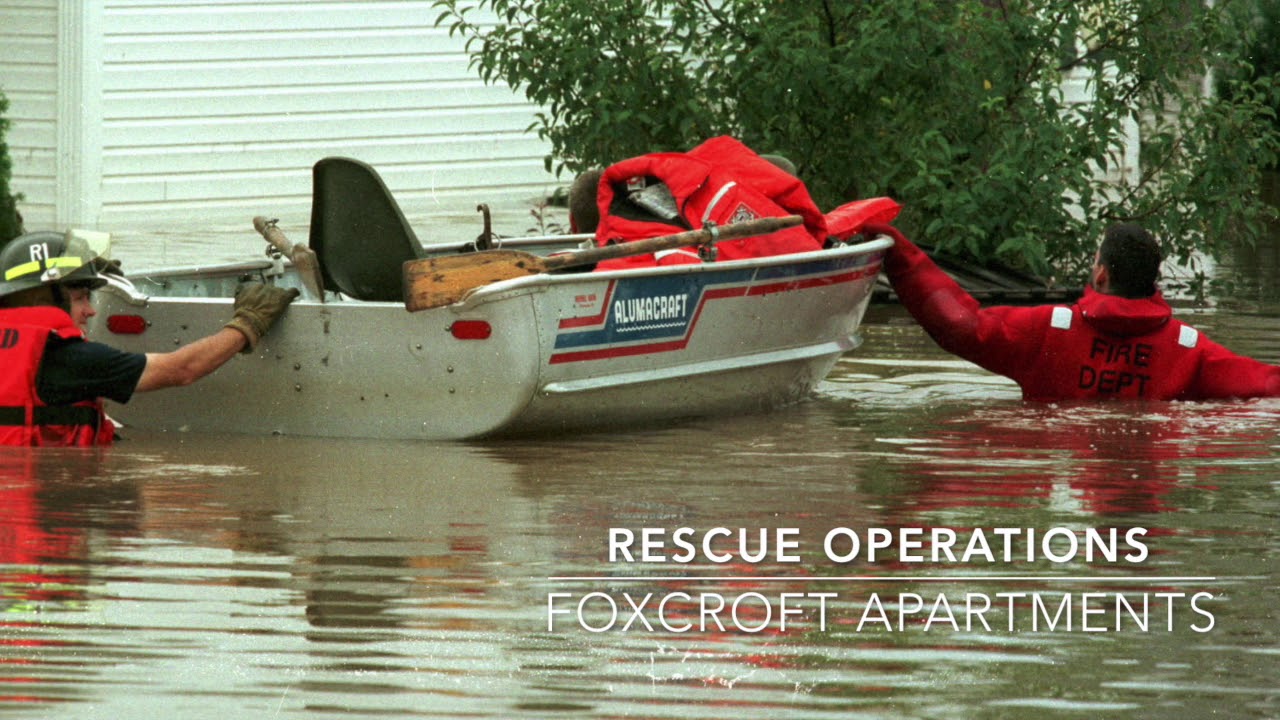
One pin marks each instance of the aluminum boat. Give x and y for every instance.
(542, 354)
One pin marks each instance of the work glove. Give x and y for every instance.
(257, 308)
(107, 267)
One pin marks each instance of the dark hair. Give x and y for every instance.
(583, 213)
(1132, 258)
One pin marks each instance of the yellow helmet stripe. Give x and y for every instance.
(39, 266)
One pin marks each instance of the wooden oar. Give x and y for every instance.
(302, 257)
(439, 281)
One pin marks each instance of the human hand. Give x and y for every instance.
(257, 308)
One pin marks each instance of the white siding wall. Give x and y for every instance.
(29, 78)
(215, 110)
(199, 114)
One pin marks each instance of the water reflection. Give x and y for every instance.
(1090, 461)
(207, 576)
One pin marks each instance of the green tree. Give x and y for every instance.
(953, 107)
(10, 220)
(1257, 23)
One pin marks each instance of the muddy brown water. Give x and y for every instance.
(182, 575)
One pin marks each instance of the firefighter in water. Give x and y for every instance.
(52, 380)
(1119, 341)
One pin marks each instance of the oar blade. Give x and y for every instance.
(445, 280)
(436, 282)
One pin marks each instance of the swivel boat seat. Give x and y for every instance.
(359, 234)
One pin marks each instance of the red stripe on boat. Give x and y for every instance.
(672, 345)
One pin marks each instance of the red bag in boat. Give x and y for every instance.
(721, 181)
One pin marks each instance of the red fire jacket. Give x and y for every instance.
(1103, 347)
(720, 181)
(24, 418)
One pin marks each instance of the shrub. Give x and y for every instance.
(1257, 25)
(10, 220)
(953, 107)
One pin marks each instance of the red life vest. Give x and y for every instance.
(721, 181)
(24, 418)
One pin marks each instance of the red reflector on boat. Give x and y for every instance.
(471, 329)
(127, 324)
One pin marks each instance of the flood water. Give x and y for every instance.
(195, 576)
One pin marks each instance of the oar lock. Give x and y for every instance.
(707, 250)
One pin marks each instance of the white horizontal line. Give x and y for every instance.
(876, 578)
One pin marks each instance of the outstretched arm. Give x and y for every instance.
(1224, 374)
(257, 307)
(190, 362)
(1000, 339)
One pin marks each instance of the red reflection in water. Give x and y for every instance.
(44, 524)
(1106, 463)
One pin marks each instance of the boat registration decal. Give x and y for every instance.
(589, 320)
(659, 314)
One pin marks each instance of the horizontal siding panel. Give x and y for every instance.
(28, 50)
(179, 18)
(27, 78)
(292, 72)
(416, 177)
(37, 195)
(142, 4)
(35, 163)
(424, 210)
(166, 223)
(37, 216)
(352, 98)
(194, 188)
(30, 140)
(293, 201)
(36, 188)
(21, 4)
(408, 126)
(29, 20)
(135, 162)
(27, 106)
(329, 43)
(224, 230)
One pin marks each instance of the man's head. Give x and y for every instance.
(48, 268)
(1127, 263)
(79, 298)
(584, 215)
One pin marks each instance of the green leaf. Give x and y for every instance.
(893, 98)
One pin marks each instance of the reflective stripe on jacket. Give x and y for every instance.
(1103, 347)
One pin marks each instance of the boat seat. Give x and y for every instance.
(358, 232)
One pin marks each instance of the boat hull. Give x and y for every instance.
(542, 354)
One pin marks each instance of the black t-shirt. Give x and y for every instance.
(76, 370)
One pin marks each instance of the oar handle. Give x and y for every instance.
(303, 258)
(706, 236)
(268, 230)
